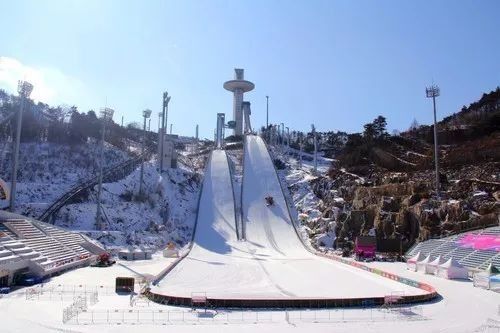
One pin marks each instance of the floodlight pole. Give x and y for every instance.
(300, 151)
(166, 99)
(267, 112)
(24, 89)
(433, 92)
(282, 134)
(106, 113)
(315, 141)
(267, 120)
(146, 114)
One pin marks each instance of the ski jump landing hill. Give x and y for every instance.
(268, 265)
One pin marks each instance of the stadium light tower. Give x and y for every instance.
(433, 92)
(166, 99)
(106, 115)
(24, 89)
(267, 112)
(146, 114)
(315, 142)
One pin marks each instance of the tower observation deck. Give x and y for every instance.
(238, 86)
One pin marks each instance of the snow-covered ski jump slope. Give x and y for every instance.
(272, 263)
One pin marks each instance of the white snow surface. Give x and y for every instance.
(272, 262)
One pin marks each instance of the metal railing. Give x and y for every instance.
(211, 317)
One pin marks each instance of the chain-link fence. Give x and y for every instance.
(162, 317)
(66, 292)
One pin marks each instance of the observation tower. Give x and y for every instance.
(238, 86)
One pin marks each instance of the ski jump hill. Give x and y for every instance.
(265, 264)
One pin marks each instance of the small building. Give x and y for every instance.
(124, 284)
(365, 247)
(135, 254)
(169, 154)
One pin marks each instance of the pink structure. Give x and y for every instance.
(365, 247)
(481, 242)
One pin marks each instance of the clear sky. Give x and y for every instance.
(337, 64)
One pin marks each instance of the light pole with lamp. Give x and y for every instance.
(164, 119)
(433, 92)
(106, 114)
(24, 89)
(146, 114)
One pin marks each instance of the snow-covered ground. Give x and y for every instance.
(462, 307)
(272, 262)
(48, 170)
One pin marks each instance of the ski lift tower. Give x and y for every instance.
(238, 87)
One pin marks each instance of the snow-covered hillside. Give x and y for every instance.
(317, 229)
(166, 212)
(47, 170)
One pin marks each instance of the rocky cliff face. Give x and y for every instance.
(405, 205)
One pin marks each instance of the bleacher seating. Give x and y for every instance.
(450, 247)
(69, 239)
(12, 250)
(55, 245)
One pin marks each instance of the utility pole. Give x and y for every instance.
(282, 134)
(267, 112)
(122, 121)
(171, 128)
(288, 136)
(166, 99)
(24, 89)
(433, 92)
(146, 114)
(149, 125)
(300, 151)
(106, 114)
(315, 141)
(197, 128)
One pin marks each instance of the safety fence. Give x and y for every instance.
(431, 292)
(67, 292)
(163, 317)
(80, 304)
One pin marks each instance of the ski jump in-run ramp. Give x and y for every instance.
(271, 263)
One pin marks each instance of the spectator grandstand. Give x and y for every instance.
(39, 249)
(475, 250)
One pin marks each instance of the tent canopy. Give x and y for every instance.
(436, 262)
(426, 260)
(451, 263)
(419, 256)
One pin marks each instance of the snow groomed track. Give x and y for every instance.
(271, 267)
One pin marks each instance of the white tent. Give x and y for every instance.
(452, 269)
(422, 264)
(411, 263)
(488, 279)
(432, 267)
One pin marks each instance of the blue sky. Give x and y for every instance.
(337, 64)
